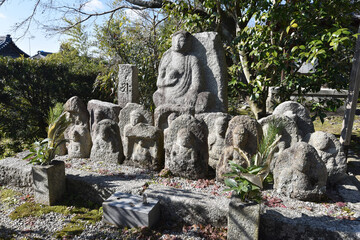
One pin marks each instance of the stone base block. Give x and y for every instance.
(243, 220)
(49, 182)
(122, 209)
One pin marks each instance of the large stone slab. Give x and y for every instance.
(126, 210)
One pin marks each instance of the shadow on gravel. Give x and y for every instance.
(274, 225)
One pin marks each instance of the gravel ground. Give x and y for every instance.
(44, 226)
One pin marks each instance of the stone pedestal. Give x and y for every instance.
(122, 209)
(49, 182)
(243, 220)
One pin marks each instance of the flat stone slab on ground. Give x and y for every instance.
(122, 209)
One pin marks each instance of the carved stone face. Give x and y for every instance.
(184, 138)
(239, 136)
(135, 117)
(179, 42)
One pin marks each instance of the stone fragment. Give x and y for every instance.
(49, 182)
(330, 152)
(186, 153)
(192, 74)
(217, 124)
(126, 210)
(78, 133)
(107, 142)
(298, 113)
(243, 133)
(144, 143)
(124, 119)
(128, 86)
(100, 110)
(300, 173)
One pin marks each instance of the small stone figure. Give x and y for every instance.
(78, 133)
(100, 110)
(242, 135)
(186, 153)
(183, 155)
(107, 142)
(299, 173)
(298, 113)
(144, 143)
(216, 141)
(331, 152)
(124, 119)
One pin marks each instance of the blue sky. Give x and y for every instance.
(13, 11)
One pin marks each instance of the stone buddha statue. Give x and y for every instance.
(180, 76)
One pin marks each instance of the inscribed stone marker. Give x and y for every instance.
(128, 87)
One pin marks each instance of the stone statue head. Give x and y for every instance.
(136, 117)
(240, 136)
(180, 41)
(184, 138)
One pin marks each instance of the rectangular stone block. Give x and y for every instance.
(122, 209)
(243, 220)
(128, 86)
(49, 182)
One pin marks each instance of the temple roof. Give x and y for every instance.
(40, 54)
(9, 49)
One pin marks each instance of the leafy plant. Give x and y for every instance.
(44, 152)
(248, 182)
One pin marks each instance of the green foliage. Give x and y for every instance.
(44, 152)
(268, 41)
(139, 42)
(248, 182)
(28, 88)
(54, 113)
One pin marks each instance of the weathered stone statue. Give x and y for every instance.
(124, 119)
(100, 110)
(216, 138)
(243, 133)
(107, 142)
(144, 143)
(78, 133)
(298, 113)
(331, 152)
(299, 173)
(180, 75)
(186, 153)
(192, 77)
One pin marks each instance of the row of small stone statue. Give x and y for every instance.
(188, 145)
